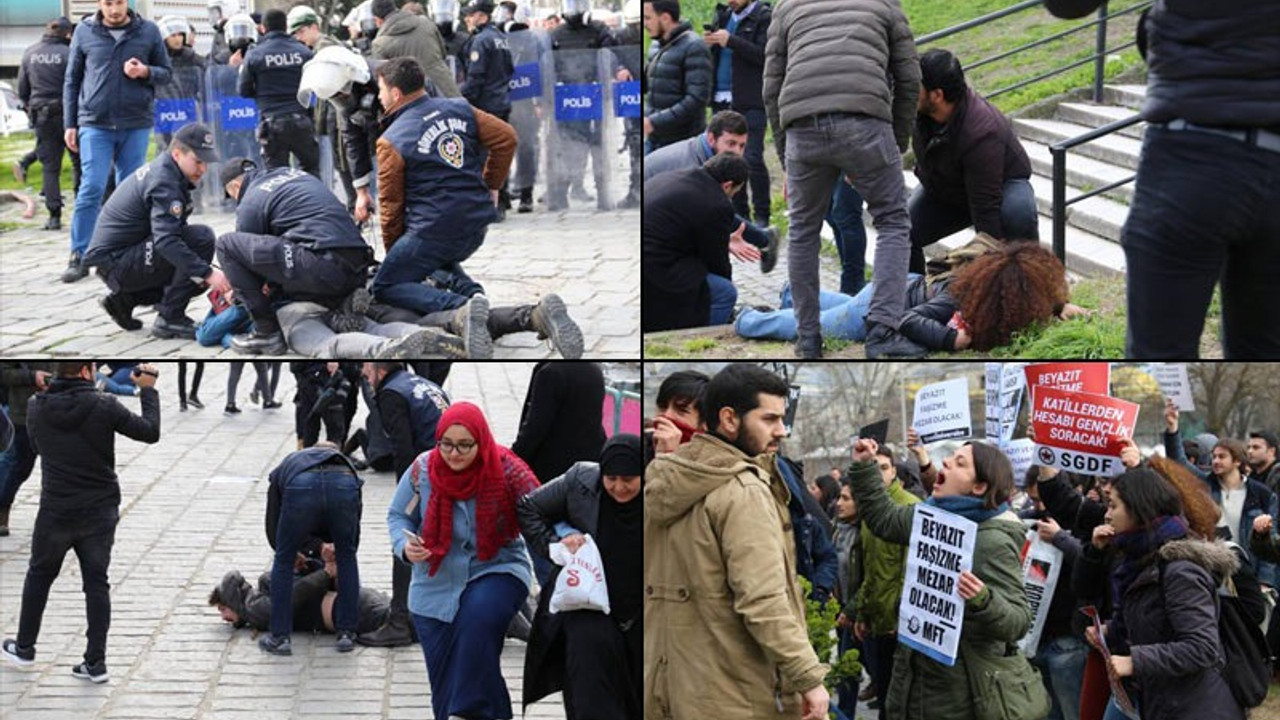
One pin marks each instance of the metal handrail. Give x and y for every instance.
(1060, 202)
(619, 397)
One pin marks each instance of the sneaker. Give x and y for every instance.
(809, 348)
(885, 342)
(471, 323)
(769, 255)
(346, 641)
(120, 310)
(525, 206)
(53, 223)
(275, 645)
(551, 320)
(75, 269)
(96, 672)
(18, 656)
(271, 405)
(195, 402)
(255, 343)
(254, 396)
(427, 342)
(231, 409)
(183, 328)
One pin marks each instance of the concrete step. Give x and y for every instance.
(1082, 171)
(1130, 96)
(1098, 215)
(1098, 115)
(1115, 149)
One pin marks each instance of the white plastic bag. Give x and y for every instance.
(581, 584)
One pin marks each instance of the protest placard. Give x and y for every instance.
(931, 614)
(1022, 455)
(1088, 377)
(942, 411)
(793, 402)
(878, 431)
(1118, 693)
(1081, 432)
(1012, 384)
(991, 385)
(1041, 566)
(1174, 383)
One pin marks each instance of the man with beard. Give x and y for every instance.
(1261, 451)
(720, 565)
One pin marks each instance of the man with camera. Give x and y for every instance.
(72, 427)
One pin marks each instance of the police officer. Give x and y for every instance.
(293, 233)
(187, 66)
(409, 407)
(628, 39)
(527, 48)
(575, 45)
(444, 13)
(220, 12)
(143, 247)
(271, 73)
(40, 77)
(487, 69)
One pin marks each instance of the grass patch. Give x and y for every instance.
(699, 345)
(13, 147)
(656, 349)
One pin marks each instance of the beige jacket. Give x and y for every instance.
(724, 630)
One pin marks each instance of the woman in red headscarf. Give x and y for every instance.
(470, 567)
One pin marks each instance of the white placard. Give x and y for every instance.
(991, 384)
(1022, 455)
(1041, 566)
(931, 614)
(1012, 383)
(1174, 383)
(942, 411)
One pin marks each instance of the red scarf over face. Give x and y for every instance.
(496, 479)
(686, 431)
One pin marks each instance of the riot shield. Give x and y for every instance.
(580, 129)
(528, 56)
(179, 102)
(234, 119)
(625, 104)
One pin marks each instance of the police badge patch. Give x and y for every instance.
(475, 56)
(449, 147)
(175, 208)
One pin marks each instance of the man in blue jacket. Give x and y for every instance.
(271, 75)
(116, 61)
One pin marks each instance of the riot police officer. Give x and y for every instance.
(527, 49)
(575, 46)
(220, 13)
(487, 69)
(188, 67)
(628, 39)
(143, 247)
(271, 73)
(40, 78)
(293, 233)
(444, 13)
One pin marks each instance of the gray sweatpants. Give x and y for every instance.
(863, 148)
(307, 334)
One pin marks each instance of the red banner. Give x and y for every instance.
(1081, 432)
(1086, 377)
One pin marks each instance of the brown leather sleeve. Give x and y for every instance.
(390, 193)
(500, 139)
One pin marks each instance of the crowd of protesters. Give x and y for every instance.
(1158, 551)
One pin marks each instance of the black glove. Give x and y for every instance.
(820, 595)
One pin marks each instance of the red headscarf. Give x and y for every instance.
(496, 478)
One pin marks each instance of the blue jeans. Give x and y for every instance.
(16, 465)
(1204, 207)
(845, 219)
(932, 220)
(723, 297)
(322, 502)
(120, 381)
(1061, 663)
(412, 260)
(1113, 711)
(842, 317)
(99, 148)
(848, 689)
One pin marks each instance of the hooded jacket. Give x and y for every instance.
(404, 34)
(922, 687)
(73, 428)
(883, 572)
(19, 381)
(725, 634)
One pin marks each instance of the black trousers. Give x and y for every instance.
(603, 667)
(308, 426)
(144, 277)
(50, 147)
(300, 273)
(91, 534)
(294, 133)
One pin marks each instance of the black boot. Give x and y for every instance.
(526, 200)
(510, 319)
(550, 319)
(55, 220)
(397, 631)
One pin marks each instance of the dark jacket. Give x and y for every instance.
(253, 605)
(295, 464)
(296, 206)
(929, 307)
(1171, 620)
(405, 34)
(409, 407)
(19, 381)
(690, 153)
(430, 152)
(151, 205)
(272, 72)
(43, 71)
(747, 61)
(188, 75)
(685, 236)
(965, 162)
(1270, 477)
(359, 115)
(486, 59)
(560, 421)
(816, 558)
(97, 93)
(73, 428)
(679, 85)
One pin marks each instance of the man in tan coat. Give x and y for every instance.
(725, 633)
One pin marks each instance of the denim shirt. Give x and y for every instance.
(438, 597)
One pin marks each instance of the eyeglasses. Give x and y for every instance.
(461, 448)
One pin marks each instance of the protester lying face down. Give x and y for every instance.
(1006, 291)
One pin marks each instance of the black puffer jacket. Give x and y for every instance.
(679, 85)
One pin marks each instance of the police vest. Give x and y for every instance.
(426, 403)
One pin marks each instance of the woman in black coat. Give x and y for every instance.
(561, 420)
(596, 659)
(1164, 632)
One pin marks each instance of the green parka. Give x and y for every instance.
(989, 671)
(884, 567)
(724, 627)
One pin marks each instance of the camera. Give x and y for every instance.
(708, 27)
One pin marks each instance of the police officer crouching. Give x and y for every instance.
(293, 233)
(271, 73)
(143, 247)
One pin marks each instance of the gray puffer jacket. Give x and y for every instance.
(679, 84)
(841, 56)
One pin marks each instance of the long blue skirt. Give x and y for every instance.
(463, 657)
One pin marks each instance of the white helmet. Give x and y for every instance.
(444, 11)
(240, 31)
(631, 12)
(220, 10)
(172, 25)
(331, 71)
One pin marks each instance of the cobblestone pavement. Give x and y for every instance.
(192, 509)
(590, 258)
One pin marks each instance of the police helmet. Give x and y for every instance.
(573, 10)
(364, 18)
(241, 32)
(172, 25)
(331, 71)
(444, 12)
(301, 16)
(220, 10)
(631, 12)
